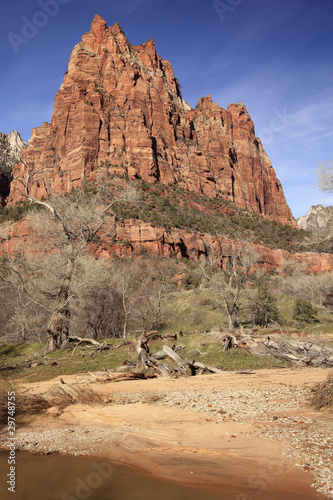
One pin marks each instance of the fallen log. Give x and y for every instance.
(145, 359)
(123, 377)
(182, 363)
(74, 338)
(202, 366)
(301, 353)
(159, 355)
(245, 372)
(100, 346)
(175, 357)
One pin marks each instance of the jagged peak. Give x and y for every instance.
(204, 100)
(116, 29)
(15, 134)
(239, 107)
(98, 26)
(207, 103)
(317, 207)
(98, 19)
(13, 137)
(150, 45)
(100, 29)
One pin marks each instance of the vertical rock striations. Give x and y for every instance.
(11, 146)
(121, 106)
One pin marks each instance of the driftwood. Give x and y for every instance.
(301, 353)
(212, 369)
(145, 359)
(159, 355)
(184, 367)
(73, 338)
(175, 357)
(249, 371)
(101, 346)
(228, 342)
(183, 364)
(122, 377)
(151, 362)
(30, 364)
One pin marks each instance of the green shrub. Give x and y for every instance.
(264, 308)
(16, 212)
(304, 311)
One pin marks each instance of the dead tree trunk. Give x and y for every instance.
(58, 329)
(145, 359)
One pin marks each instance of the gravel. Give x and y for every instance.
(277, 414)
(76, 441)
(308, 441)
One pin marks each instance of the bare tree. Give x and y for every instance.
(324, 174)
(151, 310)
(96, 307)
(294, 280)
(67, 225)
(132, 280)
(228, 280)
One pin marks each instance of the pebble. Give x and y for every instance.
(65, 440)
(308, 441)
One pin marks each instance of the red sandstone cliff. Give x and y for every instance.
(131, 237)
(122, 105)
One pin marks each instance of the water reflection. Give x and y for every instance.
(59, 477)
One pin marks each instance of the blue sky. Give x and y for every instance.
(275, 56)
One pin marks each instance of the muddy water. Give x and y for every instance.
(59, 477)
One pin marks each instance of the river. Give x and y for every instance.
(59, 477)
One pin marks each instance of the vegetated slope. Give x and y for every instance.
(167, 221)
(122, 104)
(172, 207)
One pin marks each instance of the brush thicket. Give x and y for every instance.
(321, 397)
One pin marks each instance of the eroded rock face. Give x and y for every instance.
(132, 237)
(11, 146)
(319, 219)
(121, 106)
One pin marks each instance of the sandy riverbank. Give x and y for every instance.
(238, 435)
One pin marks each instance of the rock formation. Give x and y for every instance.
(11, 146)
(120, 109)
(319, 219)
(132, 237)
